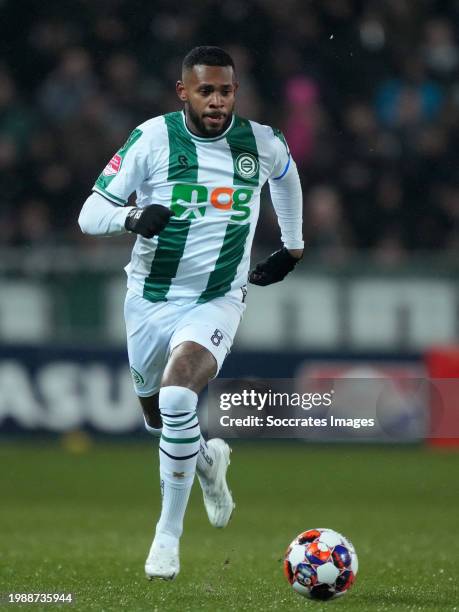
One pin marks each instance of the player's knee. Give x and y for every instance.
(191, 365)
(177, 405)
(175, 398)
(179, 374)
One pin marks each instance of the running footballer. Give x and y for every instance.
(197, 175)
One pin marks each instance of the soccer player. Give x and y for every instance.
(197, 175)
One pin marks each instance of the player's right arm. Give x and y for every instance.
(100, 217)
(105, 212)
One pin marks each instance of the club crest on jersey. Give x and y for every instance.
(246, 165)
(113, 165)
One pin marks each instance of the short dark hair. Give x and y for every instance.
(207, 56)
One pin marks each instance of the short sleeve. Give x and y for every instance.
(126, 170)
(281, 154)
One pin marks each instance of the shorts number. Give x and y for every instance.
(216, 337)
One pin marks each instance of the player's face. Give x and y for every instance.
(209, 95)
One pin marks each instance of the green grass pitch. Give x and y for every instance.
(83, 522)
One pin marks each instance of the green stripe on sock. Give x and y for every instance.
(243, 146)
(180, 423)
(169, 251)
(229, 258)
(180, 440)
(183, 159)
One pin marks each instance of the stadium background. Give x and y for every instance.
(367, 94)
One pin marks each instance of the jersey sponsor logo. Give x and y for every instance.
(189, 201)
(137, 377)
(113, 165)
(246, 165)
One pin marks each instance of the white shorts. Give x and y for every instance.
(154, 329)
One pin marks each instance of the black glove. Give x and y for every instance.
(148, 221)
(273, 269)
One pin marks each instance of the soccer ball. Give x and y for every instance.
(321, 564)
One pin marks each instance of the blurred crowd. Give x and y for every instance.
(366, 92)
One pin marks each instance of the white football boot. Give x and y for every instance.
(162, 562)
(217, 497)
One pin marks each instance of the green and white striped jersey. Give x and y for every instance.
(212, 185)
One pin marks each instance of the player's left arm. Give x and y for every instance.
(287, 198)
